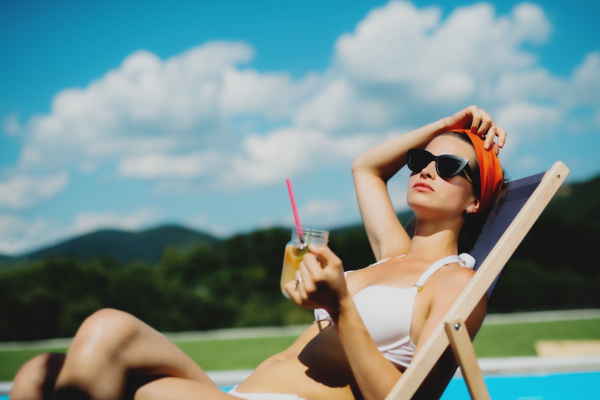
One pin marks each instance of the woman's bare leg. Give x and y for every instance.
(180, 389)
(109, 346)
(35, 380)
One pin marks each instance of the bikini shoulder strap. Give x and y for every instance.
(464, 260)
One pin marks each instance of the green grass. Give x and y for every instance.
(519, 339)
(11, 360)
(235, 354)
(212, 355)
(491, 341)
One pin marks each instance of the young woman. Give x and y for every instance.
(370, 322)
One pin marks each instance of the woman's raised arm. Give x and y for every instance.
(373, 168)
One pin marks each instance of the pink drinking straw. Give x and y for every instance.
(289, 185)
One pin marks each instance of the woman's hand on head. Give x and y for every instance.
(320, 281)
(481, 124)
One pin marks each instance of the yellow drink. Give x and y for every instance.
(291, 263)
(294, 251)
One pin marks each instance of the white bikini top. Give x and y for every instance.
(387, 311)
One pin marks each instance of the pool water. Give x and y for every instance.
(566, 386)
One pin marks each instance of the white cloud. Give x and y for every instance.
(18, 234)
(23, 191)
(534, 84)
(528, 161)
(403, 65)
(530, 23)
(528, 121)
(157, 165)
(199, 221)
(401, 43)
(221, 230)
(400, 66)
(377, 50)
(174, 121)
(270, 94)
(144, 104)
(321, 209)
(291, 151)
(315, 213)
(581, 88)
(341, 107)
(90, 221)
(148, 105)
(585, 86)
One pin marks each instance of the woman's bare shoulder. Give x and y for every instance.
(452, 278)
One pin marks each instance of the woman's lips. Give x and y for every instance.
(423, 187)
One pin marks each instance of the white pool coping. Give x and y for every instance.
(489, 366)
(178, 337)
(534, 365)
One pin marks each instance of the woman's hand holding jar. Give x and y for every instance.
(317, 286)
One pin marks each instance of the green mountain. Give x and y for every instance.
(148, 245)
(126, 246)
(8, 261)
(574, 210)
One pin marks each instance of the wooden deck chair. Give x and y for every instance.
(524, 202)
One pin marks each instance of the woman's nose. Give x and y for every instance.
(428, 171)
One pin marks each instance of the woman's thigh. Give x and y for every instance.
(36, 378)
(112, 346)
(169, 388)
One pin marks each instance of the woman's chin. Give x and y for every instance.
(420, 206)
(425, 212)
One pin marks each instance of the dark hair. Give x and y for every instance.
(474, 223)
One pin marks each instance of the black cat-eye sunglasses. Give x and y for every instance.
(446, 165)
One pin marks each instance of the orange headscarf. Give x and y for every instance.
(490, 170)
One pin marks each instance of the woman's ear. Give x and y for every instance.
(474, 206)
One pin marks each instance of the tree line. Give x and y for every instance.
(235, 283)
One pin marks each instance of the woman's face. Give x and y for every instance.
(433, 197)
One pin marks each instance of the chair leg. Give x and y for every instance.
(461, 345)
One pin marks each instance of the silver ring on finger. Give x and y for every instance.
(298, 281)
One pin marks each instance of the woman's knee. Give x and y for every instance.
(36, 378)
(105, 330)
(98, 347)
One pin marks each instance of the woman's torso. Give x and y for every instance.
(315, 366)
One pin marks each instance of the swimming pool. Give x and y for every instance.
(564, 386)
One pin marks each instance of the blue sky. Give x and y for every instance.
(134, 114)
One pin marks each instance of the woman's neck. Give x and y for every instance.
(434, 240)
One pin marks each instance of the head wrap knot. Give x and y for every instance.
(490, 170)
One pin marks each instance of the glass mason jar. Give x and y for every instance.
(295, 249)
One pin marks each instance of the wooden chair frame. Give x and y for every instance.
(452, 332)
